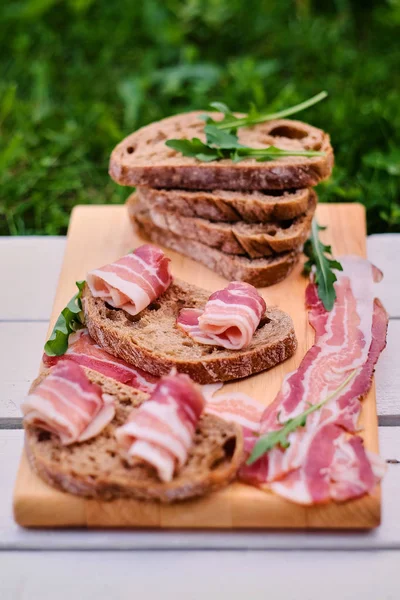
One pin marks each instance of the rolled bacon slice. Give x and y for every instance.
(67, 404)
(85, 352)
(133, 281)
(230, 317)
(160, 432)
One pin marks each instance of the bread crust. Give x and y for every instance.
(95, 469)
(228, 206)
(154, 343)
(253, 240)
(260, 272)
(142, 158)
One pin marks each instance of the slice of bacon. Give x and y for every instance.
(348, 340)
(243, 410)
(85, 352)
(230, 317)
(133, 281)
(67, 404)
(342, 342)
(336, 467)
(160, 432)
(238, 408)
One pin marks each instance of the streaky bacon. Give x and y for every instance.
(343, 471)
(229, 319)
(342, 342)
(349, 339)
(67, 404)
(85, 352)
(160, 432)
(237, 407)
(243, 410)
(133, 281)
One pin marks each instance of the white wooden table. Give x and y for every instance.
(181, 565)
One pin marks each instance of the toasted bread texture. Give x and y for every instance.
(228, 206)
(95, 468)
(144, 159)
(153, 342)
(249, 239)
(260, 272)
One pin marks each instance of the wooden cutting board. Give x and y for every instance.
(101, 234)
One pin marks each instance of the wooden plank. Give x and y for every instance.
(388, 378)
(21, 346)
(384, 537)
(36, 504)
(30, 267)
(384, 252)
(199, 575)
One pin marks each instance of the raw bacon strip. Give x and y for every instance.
(348, 340)
(133, 281)
(342, 342)
(229, 319)
(351, 471)
(328, 370)
(246, 412)
(85, 352)
(237, 407)
(160, 432)
(343, 471)
(67, 404)
(298, 474)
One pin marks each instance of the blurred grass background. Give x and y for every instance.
(78, 75)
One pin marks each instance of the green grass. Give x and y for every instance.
(78, 75)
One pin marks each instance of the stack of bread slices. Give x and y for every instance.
(246, 220)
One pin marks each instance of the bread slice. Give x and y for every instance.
(144, 159)
(260, 272)
(153, 342)
(251, 239)
(228, 206)
(96, 469)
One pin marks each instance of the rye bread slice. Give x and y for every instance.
(142, 158)
(228, 206)
(260, 272)
(95, 468)
(249, 239)
(153, 342)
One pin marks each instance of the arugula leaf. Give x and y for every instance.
(221, 107)
(231, 123)
(221, 139)
(225, 144)
(271, 152)
(221, 144)
(280, 437)
(320, 261)
(70, 320)
(190, 147)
